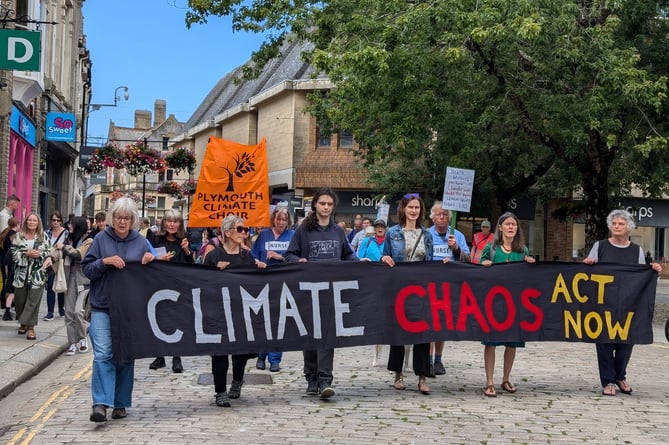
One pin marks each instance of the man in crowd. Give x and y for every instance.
(355, 244)
(13, 202)
(318, 238)
(480, 240)
(449, 245)
(100, 223)
(357, 227)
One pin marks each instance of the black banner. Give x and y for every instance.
(171, 309)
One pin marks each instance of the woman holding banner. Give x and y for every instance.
(270, 247)
(230, 253)
(613, 358)
(172, 236)
(409, 241)
(112, 381)
(508, 245)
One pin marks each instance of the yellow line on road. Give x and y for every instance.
(59, 396)
(53, 397)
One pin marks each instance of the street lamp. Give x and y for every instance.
(117, 98)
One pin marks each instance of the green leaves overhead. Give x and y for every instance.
(540, 97)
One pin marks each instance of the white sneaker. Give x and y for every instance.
(83, 346)
(72, 349)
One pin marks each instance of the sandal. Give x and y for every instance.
(399, 383)
(508, 387)
(489, 391)
(624, 387)
(22, 329)
(422, 386)
(31, 334)
(609, 390)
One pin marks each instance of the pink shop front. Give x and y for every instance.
(21, 162)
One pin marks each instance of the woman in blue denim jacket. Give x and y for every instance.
(409, 241)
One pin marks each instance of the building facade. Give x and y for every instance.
(40, 169)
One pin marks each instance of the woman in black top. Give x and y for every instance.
(233, 252)
(172, 236)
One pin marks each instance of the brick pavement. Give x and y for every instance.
(558, 400)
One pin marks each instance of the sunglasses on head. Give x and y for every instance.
(411, 196)
(240, 229)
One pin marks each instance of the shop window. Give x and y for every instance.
(161, 202)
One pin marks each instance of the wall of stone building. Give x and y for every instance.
(559, 234)
(276, 123)
(199, 146)
(241, 128)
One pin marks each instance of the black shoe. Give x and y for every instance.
(274, 367)
(7, 316)
(119, 413)
(158, 363)
(260, 364)
(176, 365)
(235, 389)
(430, 372)
(99, 413)
(61, 312)
(326, 392)
(312, 388)
(439, 368)
(222, 399)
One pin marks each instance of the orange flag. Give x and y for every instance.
(233, 180)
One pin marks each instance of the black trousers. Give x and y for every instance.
(219, 369)
(421, 359)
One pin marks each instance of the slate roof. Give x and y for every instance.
(226, 94)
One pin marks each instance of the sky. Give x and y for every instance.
(146, 46)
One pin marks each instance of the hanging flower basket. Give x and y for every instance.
(170, 188)
(108, 156)
(181, 159)
(113, 196)
(188, 187)
(139, 159)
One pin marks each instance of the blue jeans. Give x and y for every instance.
(51, 297)
(111, 382)
(273, 357)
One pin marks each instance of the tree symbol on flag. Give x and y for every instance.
(243, 165)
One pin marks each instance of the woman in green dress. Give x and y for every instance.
(507, 246)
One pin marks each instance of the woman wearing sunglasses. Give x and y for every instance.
(409, 241)
(231, 253)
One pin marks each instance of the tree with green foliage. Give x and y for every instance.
(549, 98)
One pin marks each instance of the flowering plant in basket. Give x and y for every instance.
(188, 187)
(181, 159)
(139, 159)
(105, 157)
(170, 188)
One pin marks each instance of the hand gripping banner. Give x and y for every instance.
(164, 309)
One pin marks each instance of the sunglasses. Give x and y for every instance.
(411, 196)
(241, 229)
(55, 219)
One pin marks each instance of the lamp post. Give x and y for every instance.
(117, 98)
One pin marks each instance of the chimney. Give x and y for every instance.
(159, 112)
(142, 119)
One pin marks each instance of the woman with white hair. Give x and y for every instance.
(112, 381)
(231, 253)
(613, 358)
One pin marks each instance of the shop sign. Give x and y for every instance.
(23, 126)
(60, 127)
(19, 50)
